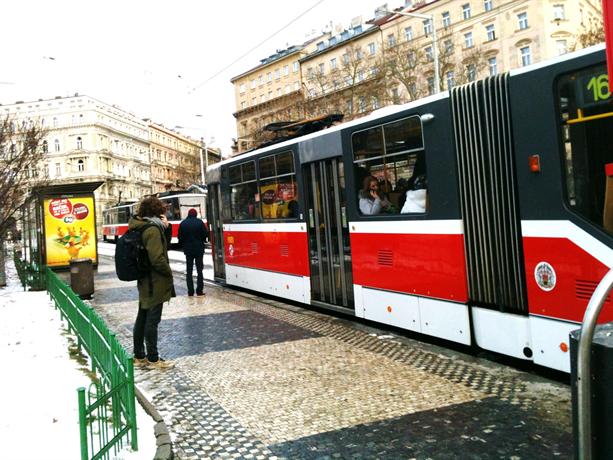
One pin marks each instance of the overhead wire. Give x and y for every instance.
(195, 88)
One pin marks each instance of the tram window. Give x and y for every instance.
(120, 215)
(173, 210)
(586, 108)
(244, 191)
(278, 189)
(391, 174)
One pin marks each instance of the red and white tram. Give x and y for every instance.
(512, 235)
(178, 204)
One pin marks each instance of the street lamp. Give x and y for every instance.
(430, 17)
(206, 159)
(203, 164)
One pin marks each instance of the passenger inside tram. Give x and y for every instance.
(371, 200)
(293, 209)
(417, 185)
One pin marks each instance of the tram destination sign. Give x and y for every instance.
(593, 87)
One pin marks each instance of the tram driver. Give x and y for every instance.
(371, 200)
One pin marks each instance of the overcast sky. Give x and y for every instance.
(147, 56)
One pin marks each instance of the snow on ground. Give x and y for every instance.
(38, 391)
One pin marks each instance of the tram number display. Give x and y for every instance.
(593, 88)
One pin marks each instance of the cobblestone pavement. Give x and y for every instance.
(257, 379)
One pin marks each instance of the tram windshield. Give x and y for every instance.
(586, 109)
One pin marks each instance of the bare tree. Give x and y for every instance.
(354, 87)
(403, 66)
(471, 66)
(21, 155)
(591, 33)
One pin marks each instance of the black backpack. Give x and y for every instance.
(131, 258)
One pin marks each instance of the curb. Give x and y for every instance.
(162, 435)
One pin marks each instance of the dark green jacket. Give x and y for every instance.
(160, 287)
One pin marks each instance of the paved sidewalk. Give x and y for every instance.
(256, 379)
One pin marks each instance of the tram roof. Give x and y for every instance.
(385, 111)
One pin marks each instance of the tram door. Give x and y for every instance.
(329, 249)
(216, 231)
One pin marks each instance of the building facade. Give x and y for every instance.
(271, 91)
(390, 58)
(175, 159)
(86, 140)
(345, 73)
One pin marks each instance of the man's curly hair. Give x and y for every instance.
(151, 206)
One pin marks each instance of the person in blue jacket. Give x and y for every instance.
(192, 236)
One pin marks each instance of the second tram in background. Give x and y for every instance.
(483, 215)
(115, 219)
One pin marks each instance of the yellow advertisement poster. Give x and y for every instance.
(278, 200)
(70, 230)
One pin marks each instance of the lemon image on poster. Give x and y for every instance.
(70, 230)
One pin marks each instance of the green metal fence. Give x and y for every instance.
(29, 275)
(107, 409)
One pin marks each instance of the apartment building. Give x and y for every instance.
(269, 92)
(478, 38)
(87, 140)
(175, 159)
(345, 73)
(390, 58)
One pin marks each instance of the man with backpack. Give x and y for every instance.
(155, 283)
(192, 236)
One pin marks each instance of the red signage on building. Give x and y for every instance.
(607, 18)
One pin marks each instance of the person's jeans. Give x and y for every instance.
(189, 260)
(146, 331)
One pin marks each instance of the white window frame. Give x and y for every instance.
(487, 5)
(408, 33)
(522, 21)
(468, 40)
(450, 76)
(525, 55)
(561, 46)
(446, 19)
(466, 13)
(471, 72)
(492, 64)
(490, 31)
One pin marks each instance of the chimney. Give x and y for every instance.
(381, 11)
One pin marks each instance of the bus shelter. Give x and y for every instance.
(59, 225)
